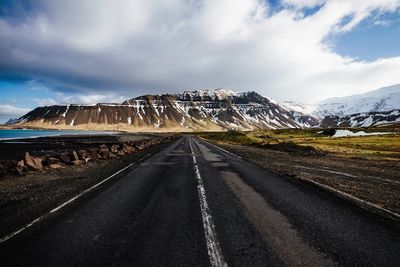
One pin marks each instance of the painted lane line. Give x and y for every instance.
(39, 219)
(346, 174)
(213, 248)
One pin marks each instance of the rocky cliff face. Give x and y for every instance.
(362, 119)
(190, 111)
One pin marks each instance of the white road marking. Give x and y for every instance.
(346, 174)
(7, 237)
(213, 248)
(326, 170)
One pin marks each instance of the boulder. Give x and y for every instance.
(93, 154)
(33, 163)
(20, 163)
(55, 166)
(64, 157)
(121, 153)
(128, 148)
(114, 148)
(139, 146)
(82, 154)
(38, 163)
(77, 162)
(73, 155)
(104, 152)
(52, 160)
(21, 170)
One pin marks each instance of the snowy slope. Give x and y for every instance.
(306, 109)
(383, 99)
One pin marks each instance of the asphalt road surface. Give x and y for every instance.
(194, 204)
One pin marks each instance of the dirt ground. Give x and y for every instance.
(375, 181)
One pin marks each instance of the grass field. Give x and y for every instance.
(369, 147)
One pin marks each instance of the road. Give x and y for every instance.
(194, 204)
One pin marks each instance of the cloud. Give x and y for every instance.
(303, 3)
(62, 99)
(8, 112)
(134, 47)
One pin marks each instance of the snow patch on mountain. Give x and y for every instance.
(362, 119)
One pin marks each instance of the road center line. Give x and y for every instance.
(213, 248)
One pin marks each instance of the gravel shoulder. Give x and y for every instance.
(376, 181)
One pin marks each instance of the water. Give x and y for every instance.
(19, 134)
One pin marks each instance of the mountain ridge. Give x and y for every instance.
(199, 110)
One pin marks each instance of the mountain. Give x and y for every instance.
(383, 99)
(362, 110)
(200, 110)
(362, 119)
(11, 121)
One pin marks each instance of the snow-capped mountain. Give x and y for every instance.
(383, 99)
(362, 119)
(189, 111)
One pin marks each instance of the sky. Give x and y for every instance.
(73, 51)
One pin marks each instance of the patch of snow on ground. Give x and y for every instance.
(344, 133)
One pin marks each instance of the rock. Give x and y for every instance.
(22, 170)
(52, 161)
(83, 155)
(55, 166)
(38, 163)
(77, 162)
(114, 148)
(21, 163)
(128, 148)
(74, 156)
(103, 146)
(104, 152)
(64, 157)
(33, 163)
(139, 146)
(93, 154)
(121, 153)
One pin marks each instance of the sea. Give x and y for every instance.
(6, 134)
